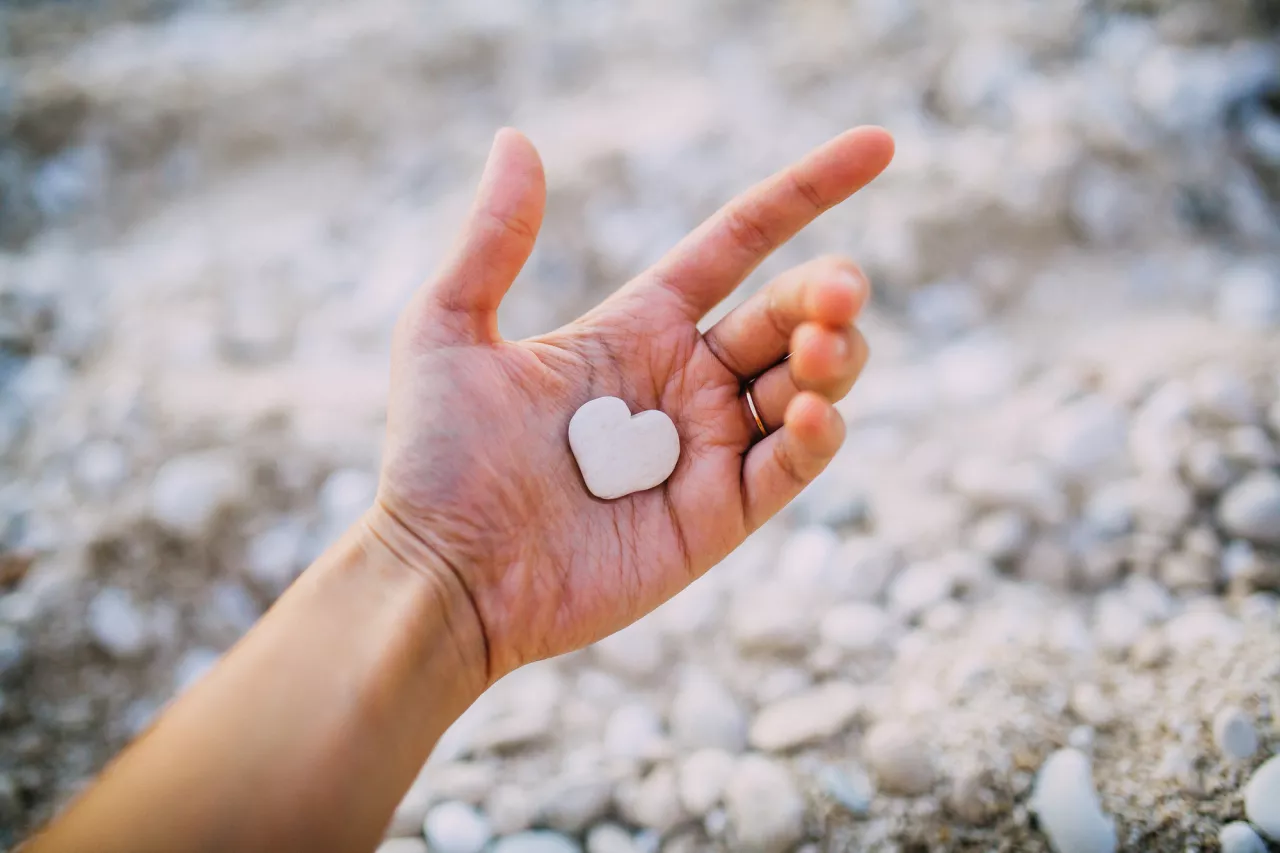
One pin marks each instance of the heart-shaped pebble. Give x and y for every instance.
(620, 453)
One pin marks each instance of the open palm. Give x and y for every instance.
(478, 480)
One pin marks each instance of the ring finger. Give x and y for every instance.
(823, 360)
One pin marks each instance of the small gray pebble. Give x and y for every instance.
(1234, 734)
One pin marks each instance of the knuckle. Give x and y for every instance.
(515, 225)
(748, 233)
(792, 469)
(807, 190)
(776, 315)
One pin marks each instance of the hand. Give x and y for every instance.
(478, 483)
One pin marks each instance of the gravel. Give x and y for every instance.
(1050, 524)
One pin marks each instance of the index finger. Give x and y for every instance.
(712, 260)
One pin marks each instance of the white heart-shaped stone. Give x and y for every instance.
(620, 453)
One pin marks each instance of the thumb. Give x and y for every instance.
(497, 239)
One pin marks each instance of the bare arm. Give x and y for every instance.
(485, 551)
(309, 732)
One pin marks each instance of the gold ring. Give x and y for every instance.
(755, 413)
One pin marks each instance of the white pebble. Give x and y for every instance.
(856, 627)
(771, 618)
(576, 800)
(1251, 509)
(455, 827)
(620, 453)
(1239, 837)
(1067, 806)
(1262, 798)
(346, 494)
(705, 714)
(703, 776)
(634, 651)
(814, 715)
(919, 587)
(101, 467)
(863, 566)
(117, 625)
(276, 554)
(1085, 437)
(1248, 297)
(900, 759)
(765, 808)
(1000, 536)
(189, 491)
(538, 841)
(510, 809)
(610, 838)
(1234, 733)
(634, 731)
(851, 789)
(654, 802)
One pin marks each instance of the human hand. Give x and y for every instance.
(479, 488)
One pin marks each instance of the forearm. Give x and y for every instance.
(306, 735)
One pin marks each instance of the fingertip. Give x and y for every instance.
(818, 354)
(838, 297)
(815, 423)
(878, 143)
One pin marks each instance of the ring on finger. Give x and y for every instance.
(755, 410)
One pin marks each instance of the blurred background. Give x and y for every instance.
(1055, 522)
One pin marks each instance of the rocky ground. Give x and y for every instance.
(1055, 526)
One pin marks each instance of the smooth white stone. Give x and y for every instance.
(620, 453)
(653, 802)
(702, 779)
(814, 715)
(1239, 837)
(705, 714)
(1067, 805)
(1262, 798)
(765, 807)
(901, 759)
(117, 624)
(1234, 734)
(456, 827)
(610, 838)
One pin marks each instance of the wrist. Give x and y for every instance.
(413, 560)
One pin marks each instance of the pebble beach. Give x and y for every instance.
(1034, 603)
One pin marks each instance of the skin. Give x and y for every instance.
(484, 551)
